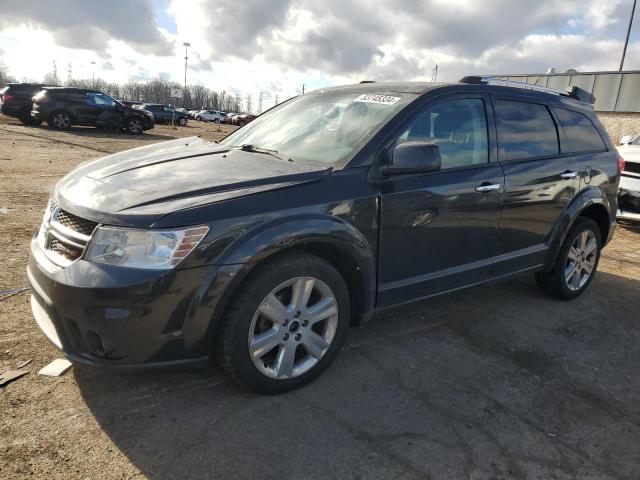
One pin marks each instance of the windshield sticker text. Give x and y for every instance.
(373, 98)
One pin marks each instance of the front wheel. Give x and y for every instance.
(576, 264)
(285, 325)
(182, 122)
(134, 126)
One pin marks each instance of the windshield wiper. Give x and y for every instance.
(253, 149)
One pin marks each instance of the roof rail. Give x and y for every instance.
(574, 92)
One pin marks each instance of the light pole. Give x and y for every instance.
(626, 42)
(186, 57)
(93, 73)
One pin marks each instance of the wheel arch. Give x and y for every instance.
(590, 203)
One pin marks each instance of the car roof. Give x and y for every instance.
(424, 87)
(70, 90)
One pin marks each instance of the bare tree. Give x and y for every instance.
(4, 75)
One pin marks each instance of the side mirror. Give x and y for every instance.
(413, 157)
(626, 140)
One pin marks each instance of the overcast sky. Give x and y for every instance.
(277, 45)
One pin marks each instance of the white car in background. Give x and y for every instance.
(211, 116)
(629, 191)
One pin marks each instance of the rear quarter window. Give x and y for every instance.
(525, 130)
(582, 135)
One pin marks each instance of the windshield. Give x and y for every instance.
(320, 128)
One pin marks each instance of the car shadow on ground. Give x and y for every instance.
(493, 382)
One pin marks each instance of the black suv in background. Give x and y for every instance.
(62, 107)
(15, 100)
(165, 113)
(261, 250)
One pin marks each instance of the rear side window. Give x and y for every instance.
(582, 136)
(525, 130)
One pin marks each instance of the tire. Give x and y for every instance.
(134, 126)
(26, 118)
(310, 346)
(59, 120)
(199, 118)
(570, 277)
(241, 123)
(182, 122)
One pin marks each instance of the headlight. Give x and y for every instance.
(151, 249)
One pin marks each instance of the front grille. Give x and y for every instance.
(75, 223)
(64, 235)
(632, 167)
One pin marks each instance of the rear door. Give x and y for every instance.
(540, 180)
(438, 231)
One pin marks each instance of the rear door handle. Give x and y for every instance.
(487, 187)
(569, 174)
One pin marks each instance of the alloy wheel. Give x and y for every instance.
(293, 328)
(581, 260)
(61, 120)
(135, 125)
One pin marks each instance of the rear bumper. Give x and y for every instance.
(126, 319)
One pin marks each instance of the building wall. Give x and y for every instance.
(620, 124)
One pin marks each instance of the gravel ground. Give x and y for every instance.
(496, 382)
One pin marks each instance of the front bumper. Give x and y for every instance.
(629, 197)
(126, 319)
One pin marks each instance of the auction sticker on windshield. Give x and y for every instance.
(374, 98)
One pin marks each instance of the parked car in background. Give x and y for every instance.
(165, 113)
(262, 249)
(211, 116)
(243, 119)
(15, 100)
(62, 107)
(629, 193)
(192, 113)
(130, 103)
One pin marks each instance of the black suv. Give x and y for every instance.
(15, 100)
(165, 113)
(259, 251)
(62, 107)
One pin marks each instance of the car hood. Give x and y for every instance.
(139, 186)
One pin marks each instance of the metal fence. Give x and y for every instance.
(613, 91)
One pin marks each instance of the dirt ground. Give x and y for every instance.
(496, 382)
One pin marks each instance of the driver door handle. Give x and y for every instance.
(487, 187)
(569, 174)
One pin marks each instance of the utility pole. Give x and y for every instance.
(93, 73)
(186, 57)
(69, 77)
(303, 88)
(626, 42)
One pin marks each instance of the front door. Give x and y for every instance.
(438, 231)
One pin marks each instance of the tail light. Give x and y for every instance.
(620, 165)
(6, 98)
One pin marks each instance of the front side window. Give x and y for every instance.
(321, 128)
(525, 130)
(582, 136)
(457, 127)
(168, 109)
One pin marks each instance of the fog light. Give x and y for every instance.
(96, 345)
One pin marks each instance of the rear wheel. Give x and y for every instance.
(285, 325)
(182, 122)
(576, 264)
(59, 120)
(134, 126)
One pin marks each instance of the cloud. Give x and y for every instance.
(89, 25)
